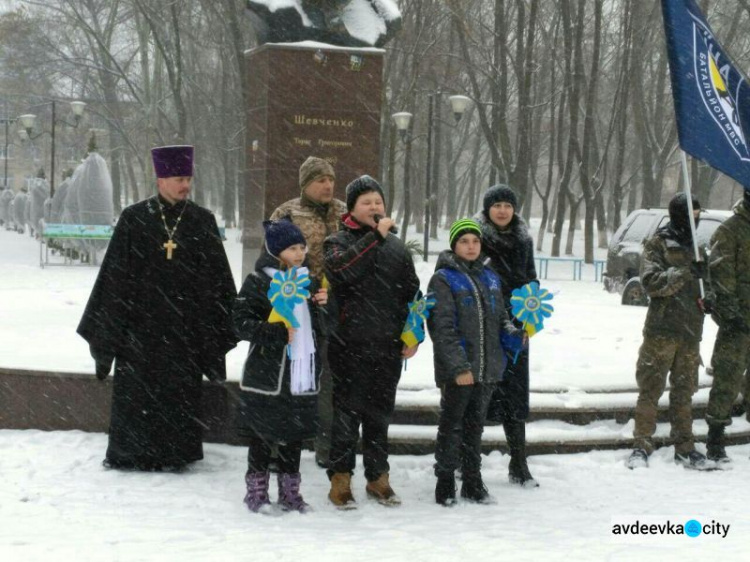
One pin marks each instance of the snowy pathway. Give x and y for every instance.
(58, 503)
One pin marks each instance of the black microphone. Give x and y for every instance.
(393, 228)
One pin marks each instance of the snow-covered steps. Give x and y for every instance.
(559, 422)
(576, 407)
(554, 436)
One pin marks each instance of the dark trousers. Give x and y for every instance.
(259, 456)
(510, 400)
(459, 439)
(365, 378)
(345, 432)
(325, 406)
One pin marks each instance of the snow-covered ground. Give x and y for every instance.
(591, 341)
(58, 503)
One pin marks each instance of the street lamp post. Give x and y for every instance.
(29, 120)
(6, 121)
(403, 120)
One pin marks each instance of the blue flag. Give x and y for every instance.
(711, 97)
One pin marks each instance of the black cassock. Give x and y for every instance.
(166, 323)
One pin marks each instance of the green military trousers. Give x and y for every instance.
(730, 361)
(659, 356)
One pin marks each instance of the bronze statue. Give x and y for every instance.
(326, 21)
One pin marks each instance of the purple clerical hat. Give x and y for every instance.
(173, 161)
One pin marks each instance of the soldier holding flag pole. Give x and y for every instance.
(712, 108)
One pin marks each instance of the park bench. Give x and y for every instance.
(544, 261)
(577, 264)
(55, 231)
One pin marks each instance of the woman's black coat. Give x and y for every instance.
(511, 254)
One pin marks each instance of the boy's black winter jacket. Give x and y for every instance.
(372, 280)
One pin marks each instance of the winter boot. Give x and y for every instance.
(715, 444)
(256, 498)
(474, 490)
(694, 461)
(638, 459)
(381, 491)
(518, 469)
(445, 489)
(341, 491)
(289, 497)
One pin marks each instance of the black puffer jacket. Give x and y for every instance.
(372, 281)
(511, 253)
(467, 320)
(267, 406)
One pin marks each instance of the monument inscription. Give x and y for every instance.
(307, 100)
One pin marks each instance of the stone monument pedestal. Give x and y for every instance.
(307, 99)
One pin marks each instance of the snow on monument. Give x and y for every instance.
(347, 23)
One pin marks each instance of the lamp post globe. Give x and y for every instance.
(459, 105)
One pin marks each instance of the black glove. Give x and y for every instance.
(706, 305)
(699, 269)
(737, 324)
(102, 370)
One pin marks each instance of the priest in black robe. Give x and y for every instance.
(160, 309)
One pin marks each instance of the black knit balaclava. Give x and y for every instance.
(679, 217)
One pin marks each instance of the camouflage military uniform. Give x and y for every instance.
(730, 270)
(671, 340)
(316, 222)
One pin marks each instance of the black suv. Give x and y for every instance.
(626, 247)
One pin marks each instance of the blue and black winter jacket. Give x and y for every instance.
(467, 321)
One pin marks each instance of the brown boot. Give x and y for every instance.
(341, 491)
(381, 491)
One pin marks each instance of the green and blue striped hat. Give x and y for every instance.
(461, 227)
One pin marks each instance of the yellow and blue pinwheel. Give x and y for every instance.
(419, 312)
(529, 306)
(286, 291)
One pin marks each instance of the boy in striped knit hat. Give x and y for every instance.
(465, 327)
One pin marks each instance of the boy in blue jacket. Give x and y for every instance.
(465, 326)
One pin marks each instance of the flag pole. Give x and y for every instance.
(691, 218)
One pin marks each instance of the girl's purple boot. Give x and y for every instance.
(289, 497)
(256, 498)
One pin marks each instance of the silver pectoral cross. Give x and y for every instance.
(169, 246)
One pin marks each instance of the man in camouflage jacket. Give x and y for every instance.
(317, 214)
(730, 273)
(671, 336)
